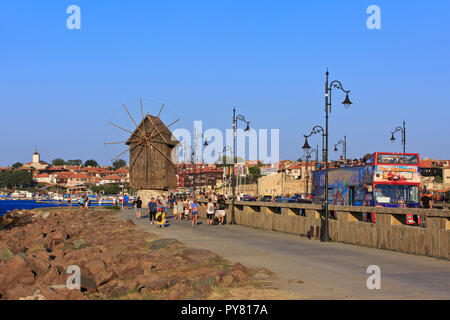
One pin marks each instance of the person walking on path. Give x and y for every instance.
(138, 207)
(175, 209)
(125, 201)
(180, 208)
(210, 212)
(194, 207)
(69, 202)
(190, 203)
(220, 209)
(152, 210)
(186, 209)
(81, 202)
(160, 218)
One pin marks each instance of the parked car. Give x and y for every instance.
(281, 199)
(300, 198)
(248, 198)
(266, 198)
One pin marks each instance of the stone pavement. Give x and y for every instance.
(313, 269)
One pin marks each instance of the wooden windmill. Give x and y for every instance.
(150, 151)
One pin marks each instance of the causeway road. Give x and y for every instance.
(311, 269)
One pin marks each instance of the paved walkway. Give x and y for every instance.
(327, 270)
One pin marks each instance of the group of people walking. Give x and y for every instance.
(156, 210)
(183, 208)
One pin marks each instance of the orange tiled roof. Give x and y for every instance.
(43, 175)
(112, 177)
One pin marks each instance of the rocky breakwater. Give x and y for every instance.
(116, 260)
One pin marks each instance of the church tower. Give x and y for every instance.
(36, 156)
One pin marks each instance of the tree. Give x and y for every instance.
(16, 165)
(254, 174)
(255, 171)
(119, 163)
(112, 189)
(58, 162)
(91, 163)
(438, 179)
(76, 162)
(16, 179)
(97, 189)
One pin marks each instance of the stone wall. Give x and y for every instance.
(389, 232)
(280, 183)
(250, 189)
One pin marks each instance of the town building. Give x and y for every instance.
(37, 163)
(199, 176)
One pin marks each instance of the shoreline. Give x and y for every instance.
(117, 261)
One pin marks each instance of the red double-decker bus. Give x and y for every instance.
(385, 180)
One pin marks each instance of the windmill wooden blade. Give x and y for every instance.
(173, 123)
(160, 110)
(115, 142)
(142, 109)
(129, 149)
(115, 125)
(130, 115)
(139, 128)
(121, 154)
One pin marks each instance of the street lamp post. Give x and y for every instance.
(193, 158)
(221, 157)
(308, 157)
(344, 149)
(194, 171)
(307, 149)
(328, 90)
(403, 131)
(235, 120)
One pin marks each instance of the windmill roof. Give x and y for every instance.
(160, 128)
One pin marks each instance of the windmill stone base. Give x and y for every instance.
(147, 195)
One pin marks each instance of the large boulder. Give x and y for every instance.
(37, 264)
(76, 257)
(20, 291)
(97, 269)
(16, 262)
(21, 275)
(53, 276)
(239, 266)
(58, 236)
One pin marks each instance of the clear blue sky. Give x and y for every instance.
(60, 87)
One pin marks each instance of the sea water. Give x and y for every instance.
(8, 205)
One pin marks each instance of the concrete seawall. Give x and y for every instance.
(389, 232)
